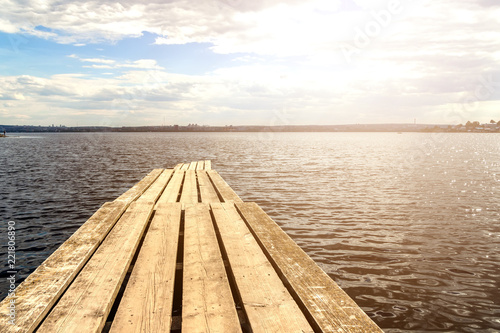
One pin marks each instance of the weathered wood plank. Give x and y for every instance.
(208, 165)
(146, 305)
(207, 190)
(185, 166)
(156, 189)
(225, 191)
(327, 306)
(172, 191)
(267, 303)
(192, 165)
(178, 166)
(138, 189)
(200, 165)
(87, 302)
(207, 303)
(189, 189)
(39, 292)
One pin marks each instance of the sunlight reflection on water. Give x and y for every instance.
(408, 225)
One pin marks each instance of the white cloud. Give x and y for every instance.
(99, 66)
(314, 28)
(305, 96)
(99, 61)
(94, 60)
(141, 64)
(418, 61)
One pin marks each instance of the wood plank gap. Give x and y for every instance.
(268, 304)
(226, 192)
(221, 199)
(87, 302)
(137, 190)
(170, 178)
(189, 194)
(242, 315)
(200, 165)
(178, 285)
(208, 193)
(310, 318)
(173, 189)
(180, 188)
(146, 305)
(176, 324)
(207, 304)
(197, 186)
(152, 194)
(119, 296)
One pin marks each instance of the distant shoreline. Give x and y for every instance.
(288, 128)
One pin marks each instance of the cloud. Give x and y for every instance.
(315, 28)
(141, 64)
(94, 60)
(99, 66)
(99, 63)
(13, 96)
(331, 61)
(229, 24)
(305, 96)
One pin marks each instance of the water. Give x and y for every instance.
(408, 225)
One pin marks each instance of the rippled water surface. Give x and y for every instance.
(408, 225)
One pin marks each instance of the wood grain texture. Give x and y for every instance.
(225, 191)
(208, 165)
(192, 165)
(173, 188)
(156, 189)
(42, 288)
(138, 189)
(327, 306)
(267, 302)
(189, 188)
(207, 302)
(200, 165)
(87, 302)
(207, 190)
(146, 305)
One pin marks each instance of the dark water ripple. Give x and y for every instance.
(408, 225)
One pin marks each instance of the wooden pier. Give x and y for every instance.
(181, 252)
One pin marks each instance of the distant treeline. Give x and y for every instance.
(228, 128)
(470, 126)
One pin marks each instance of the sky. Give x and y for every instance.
(237, 62)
